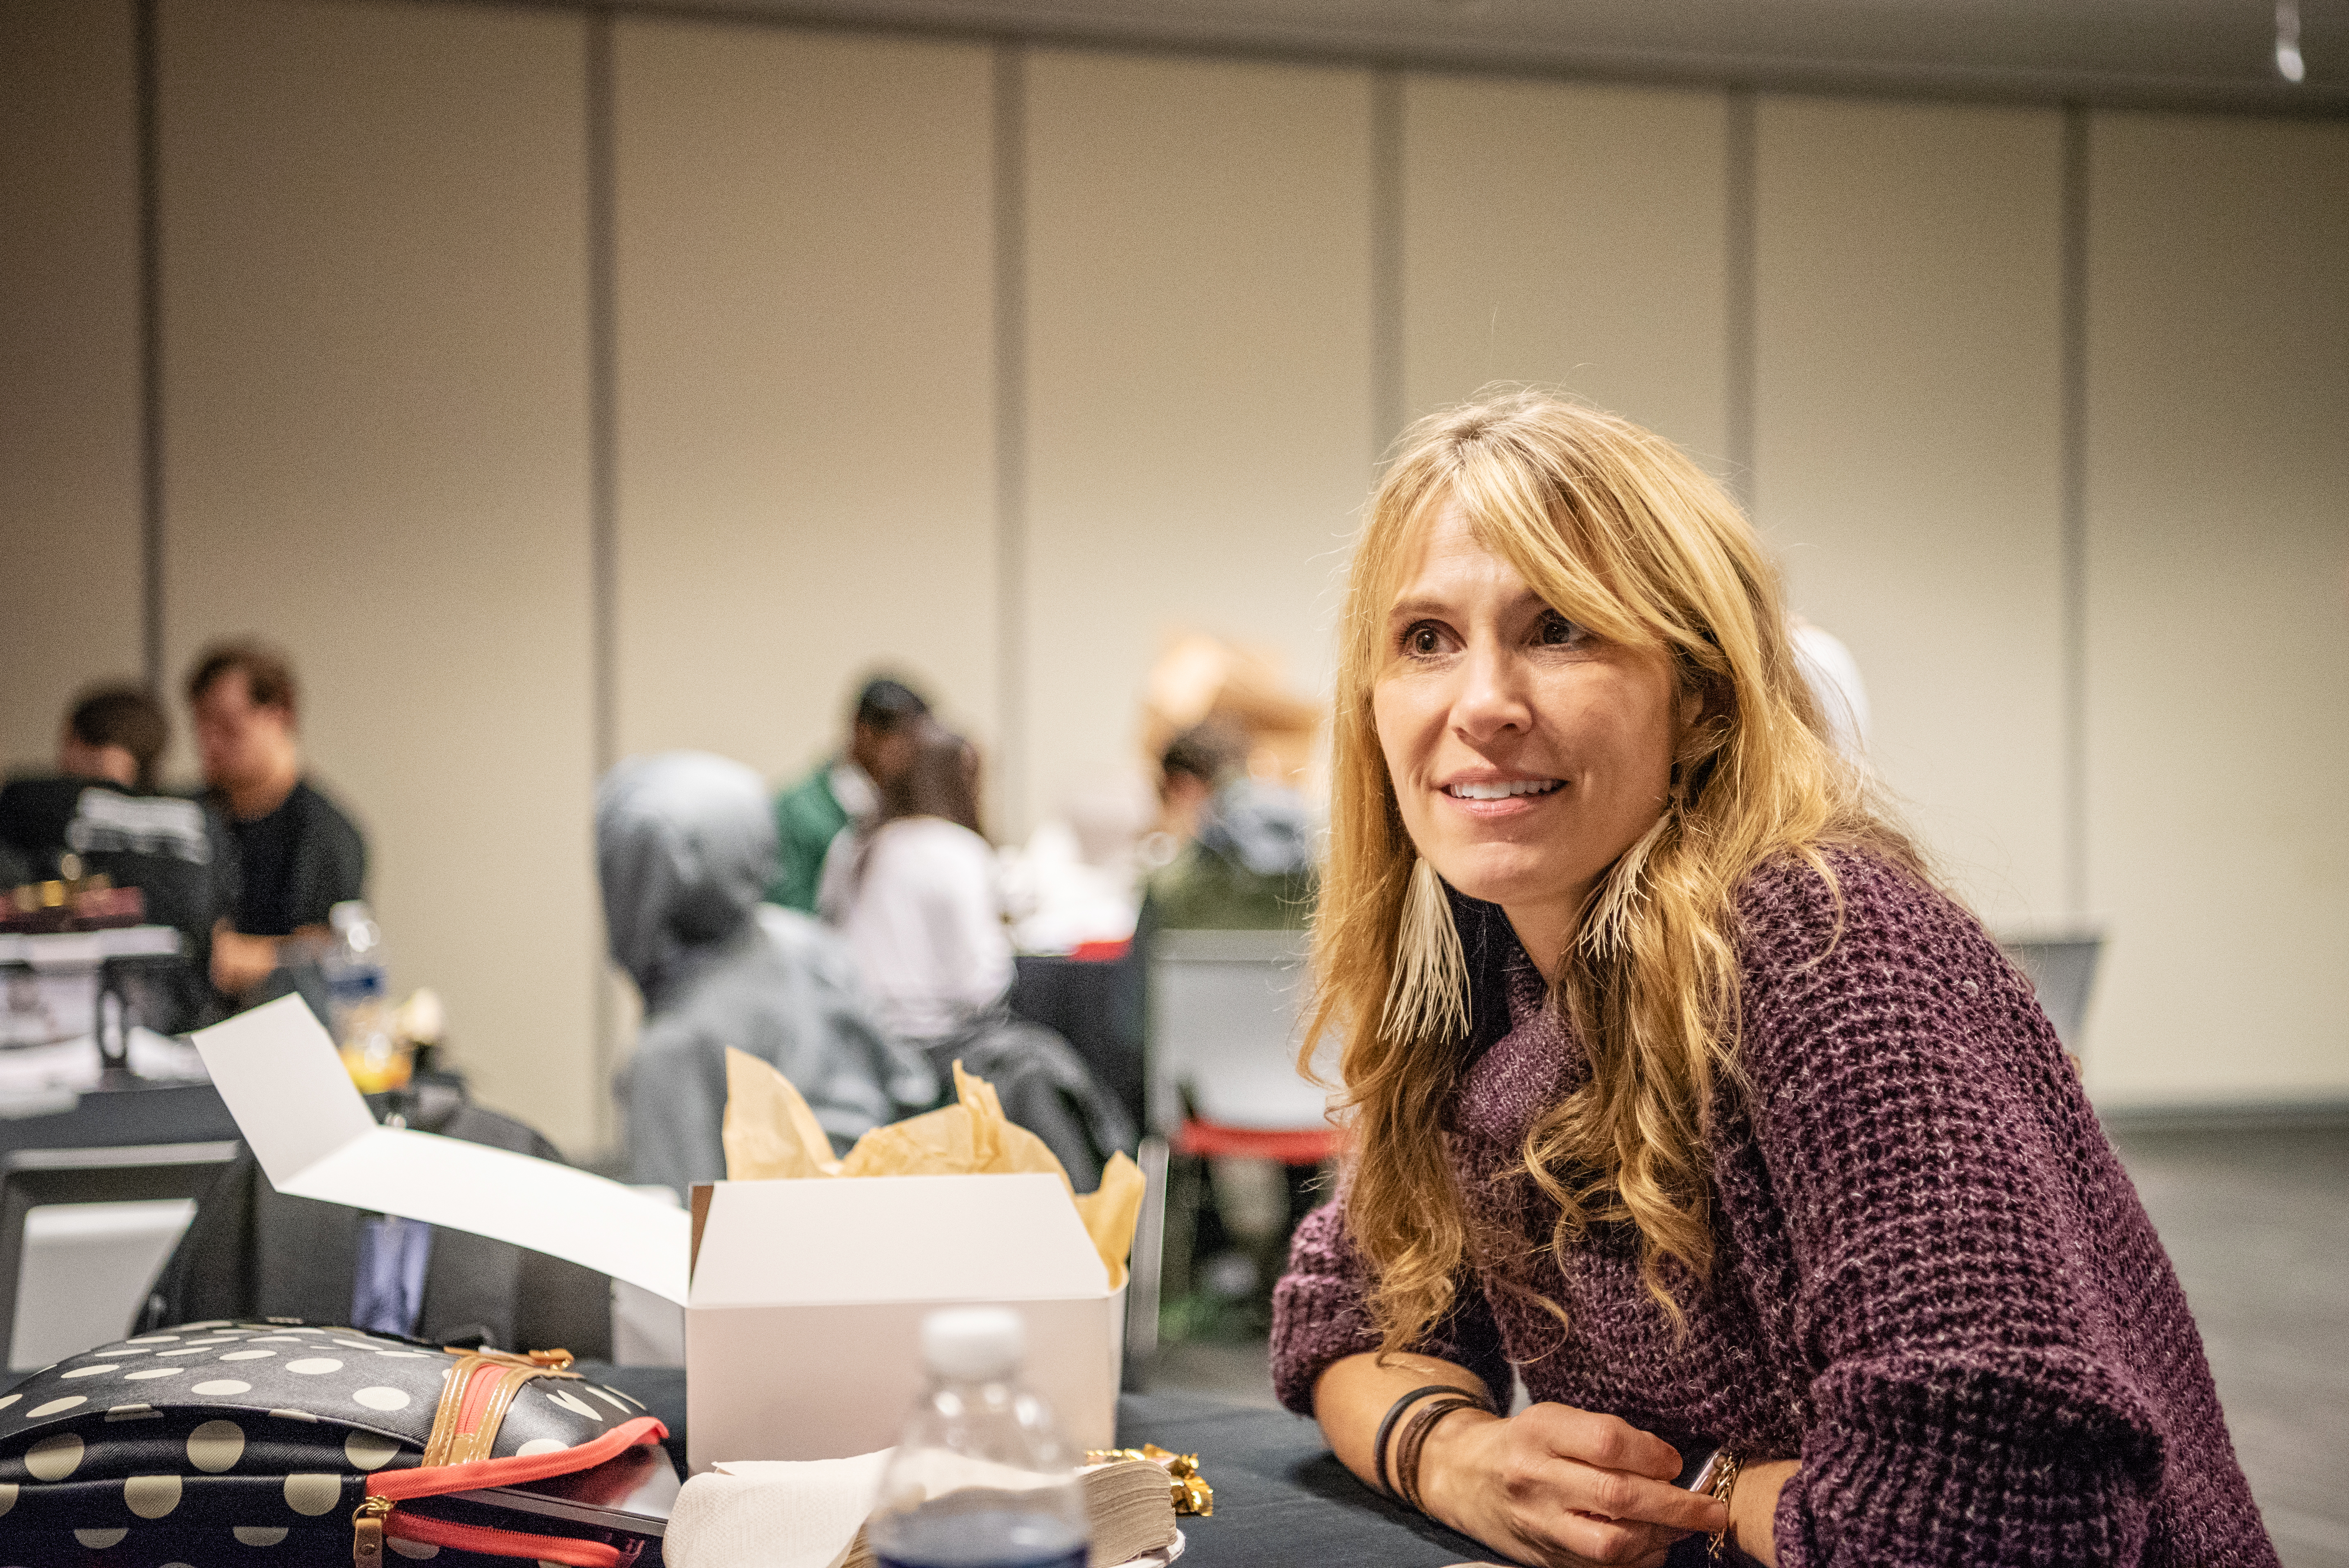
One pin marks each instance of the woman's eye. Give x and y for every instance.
(1557, 631)
(1423, 641)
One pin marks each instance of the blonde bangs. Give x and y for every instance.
(1617, 529)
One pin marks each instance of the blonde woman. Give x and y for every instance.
(1680, 1087)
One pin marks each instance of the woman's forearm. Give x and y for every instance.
(1355, 1392)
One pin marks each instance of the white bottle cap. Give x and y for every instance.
(974, 1344)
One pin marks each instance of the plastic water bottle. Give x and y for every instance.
(358, 1002)
(353, 969)
(980, 1478)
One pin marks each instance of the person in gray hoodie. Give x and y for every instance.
(685, 847)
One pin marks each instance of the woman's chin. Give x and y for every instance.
(1505, 874)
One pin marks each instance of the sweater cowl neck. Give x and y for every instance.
(1523, 1057)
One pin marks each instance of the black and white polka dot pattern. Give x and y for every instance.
(241, 1442)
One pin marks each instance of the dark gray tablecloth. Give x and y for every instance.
(107, 1119)
(1282, 1497)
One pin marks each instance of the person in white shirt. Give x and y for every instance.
(916, 897)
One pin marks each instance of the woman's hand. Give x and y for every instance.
(1551, 1485)
(1561, 1487)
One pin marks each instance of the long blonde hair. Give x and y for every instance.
(1616, 528)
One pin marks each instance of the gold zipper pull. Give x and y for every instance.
(366, 1532)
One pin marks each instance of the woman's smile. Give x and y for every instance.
(1496, 790)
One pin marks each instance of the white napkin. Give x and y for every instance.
(772, 1513)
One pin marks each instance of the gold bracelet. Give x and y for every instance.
(1724, 1487)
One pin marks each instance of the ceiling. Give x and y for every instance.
(2184, 53)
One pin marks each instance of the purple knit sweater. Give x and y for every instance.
(1933, 1282)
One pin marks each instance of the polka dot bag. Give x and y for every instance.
(250, 1445)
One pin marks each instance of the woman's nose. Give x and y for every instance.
(1493, 699)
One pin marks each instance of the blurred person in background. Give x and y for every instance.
(293, 852)
(1837, 690)
(101, 814)
(842, 790)
(684, 845)
(916, 893)
(1074, 884)
(1249, 863)
(1194, 765)
(914, 890)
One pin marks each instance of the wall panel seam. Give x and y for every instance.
(1010, 236)
(601, 150)
(2074, 311)
(1741, 262)
(148, 65)
(1388, 410)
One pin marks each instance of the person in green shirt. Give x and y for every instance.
(1249, 862)
(844, 789)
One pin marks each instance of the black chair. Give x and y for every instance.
(2061, 962)
(1095, 1005)
(34, 1178)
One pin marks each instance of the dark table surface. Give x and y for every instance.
(1281, 1497)
(107, 1119)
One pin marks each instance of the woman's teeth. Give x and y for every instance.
(1502, 791)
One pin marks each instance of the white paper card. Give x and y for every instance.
(304, 1119)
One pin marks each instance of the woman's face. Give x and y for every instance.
(1526, 754)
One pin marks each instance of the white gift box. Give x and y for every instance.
(807, 1298)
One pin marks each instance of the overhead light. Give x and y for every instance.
(2289, 65)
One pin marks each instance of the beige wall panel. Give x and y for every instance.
(2218, 605)
(376, 307)
(1909, 464)
(1199, 359)
(1571, 234)
(806, 401)
(70, 426)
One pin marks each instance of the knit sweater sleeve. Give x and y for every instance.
(1924, 1139)
(1321, 1314)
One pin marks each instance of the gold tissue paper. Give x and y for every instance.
(769, 1134)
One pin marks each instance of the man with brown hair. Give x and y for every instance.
(295, 854)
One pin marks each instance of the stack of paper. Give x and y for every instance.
(808, 1514)
(1129, 1507)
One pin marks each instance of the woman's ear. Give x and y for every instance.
(1705, 704)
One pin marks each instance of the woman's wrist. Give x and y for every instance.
(1447, 1462)
(1754, 1509)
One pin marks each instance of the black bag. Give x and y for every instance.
(247, 1444)
(1043, 1086)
